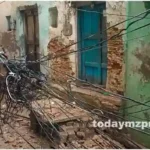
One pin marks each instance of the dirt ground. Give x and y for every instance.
(10, 139)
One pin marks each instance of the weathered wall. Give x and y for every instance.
(137, 62)
(5, 8)
(115, 13)
(44, 20)
(115, 47)
(48, 33)
(68, 64)
(18, 36)
(7, 38)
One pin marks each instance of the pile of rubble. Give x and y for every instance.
(67, 119)
(75, 126)
(73, 135)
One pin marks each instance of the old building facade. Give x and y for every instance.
(54, 25)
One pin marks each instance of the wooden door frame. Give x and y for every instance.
(22, 9)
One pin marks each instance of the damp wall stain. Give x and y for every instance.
(8, 42)
(143, 55)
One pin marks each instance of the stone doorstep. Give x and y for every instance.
(111, 99)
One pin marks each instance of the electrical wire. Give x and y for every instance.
(140, 27)
(104, 111)
(91, 11)
(109, 92)
(90, 47)
(53, 94)
(105, 46)
(90, 36)
(135, 112)
(103, 31)
(110, 113)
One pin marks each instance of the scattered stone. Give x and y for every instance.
(62, 145)
(71, 135)
(19, 119)
(89, 133)
(63, 136)
(69, 123)
(89, 144)
(80, 135)
(76, 144)
(81, 141)
(14, 145)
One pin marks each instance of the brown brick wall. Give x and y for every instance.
(115, 72)
(115, 62)
(62, 65)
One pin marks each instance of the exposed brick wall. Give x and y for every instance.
(115, 47)
(59, 66)
(115, 72)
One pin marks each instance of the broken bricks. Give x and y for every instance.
(80, 134)
(63, 136)
(76, 144)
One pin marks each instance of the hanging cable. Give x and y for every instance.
(91, 11)
(93, 46)
(90, 36)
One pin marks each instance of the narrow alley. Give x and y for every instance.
(74, 74)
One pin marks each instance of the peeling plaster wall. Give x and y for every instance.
(5, 9)
(47, 33)
(115, 13)
(63, 9)
(44, 21)
(113, 8)
(43, 10)
(7, 38)
(115, 78)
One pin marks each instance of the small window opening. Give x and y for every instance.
(8, 23)
(54, 17)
